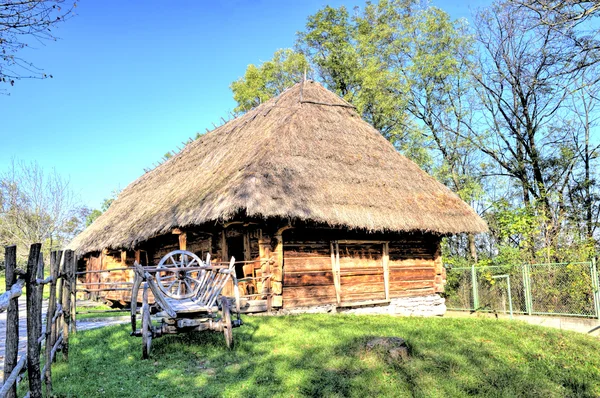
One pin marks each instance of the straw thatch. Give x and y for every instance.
(305, 154)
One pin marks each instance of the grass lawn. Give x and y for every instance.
(99, 307)
(324, 355)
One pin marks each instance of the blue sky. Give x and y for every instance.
(133, 79)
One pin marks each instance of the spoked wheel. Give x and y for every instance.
(176, 283)
(227, 326)
(147, 329)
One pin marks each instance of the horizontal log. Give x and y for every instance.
(413, 263)
(307, 265)
(40, 281)
(307, 301)
(363, 303)
(361, 263)
(15, 291)
(351, 280)
(362, 288)
(358, 296)
(403, 285)
(12, 379)
(52, 355)
(308, 291)
(308, 279)
(108, 289)
(361, 272)
(411, 292)
(399, 275)
(98, 271)
(362, 242)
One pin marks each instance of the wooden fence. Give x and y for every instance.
(60, 317)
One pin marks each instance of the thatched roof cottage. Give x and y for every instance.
(322, 209)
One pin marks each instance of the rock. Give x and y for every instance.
(395, 348)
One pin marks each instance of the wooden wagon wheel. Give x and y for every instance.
(147, 329)
(179, 284)
(227, 326)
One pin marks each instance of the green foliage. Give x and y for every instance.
(440, 92)
(269, 79)
(325, 355)
(105, 205)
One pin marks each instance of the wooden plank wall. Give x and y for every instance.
(307, 274)
(361, 272)
(412, 264)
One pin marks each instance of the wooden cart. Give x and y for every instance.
(187, 291)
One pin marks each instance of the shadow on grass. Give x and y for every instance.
(325, 355)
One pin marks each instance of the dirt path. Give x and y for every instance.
(81, 325)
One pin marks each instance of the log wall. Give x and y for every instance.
(307, 273)
(314, 259)
(361, 272)
(412, 265)
(307, 266)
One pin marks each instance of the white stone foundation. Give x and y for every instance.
(432, 305)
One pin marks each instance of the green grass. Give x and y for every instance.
(324, 355)
(99, 314)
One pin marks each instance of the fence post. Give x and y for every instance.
(475, 288)
(74, 293)
(12, 319)
(66, 304)
(527, 289)
(54, 263)
(34, 321)
(595, 287)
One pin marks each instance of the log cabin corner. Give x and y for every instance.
(318, 209)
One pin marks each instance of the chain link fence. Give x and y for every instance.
(566, 289)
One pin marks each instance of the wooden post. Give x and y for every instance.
(54, 263)
(34, 321)
(335, 273)
(66, 303)
(223, 246)
(386, 269)
(338, 268)
(12, 319)
(73, 280)
(183, 241)
(59, 294)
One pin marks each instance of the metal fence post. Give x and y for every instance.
(527, 289)
(595, 287)
(474, 286)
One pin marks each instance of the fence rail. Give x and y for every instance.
(58, 318)
(565, 289)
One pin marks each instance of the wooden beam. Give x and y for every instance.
(336, 274)
(350, 241)
(386, 269)
(12, 325)
(176, 231)
(223, 246)
(183, 241)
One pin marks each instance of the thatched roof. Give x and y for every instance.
(305, 154)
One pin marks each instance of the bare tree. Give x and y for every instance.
(526, 75)
(37, 207)
(562, 12)
(24, 23)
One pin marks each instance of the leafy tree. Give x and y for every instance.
(269, 79)
(94, 214)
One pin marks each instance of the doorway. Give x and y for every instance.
(235, 248)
